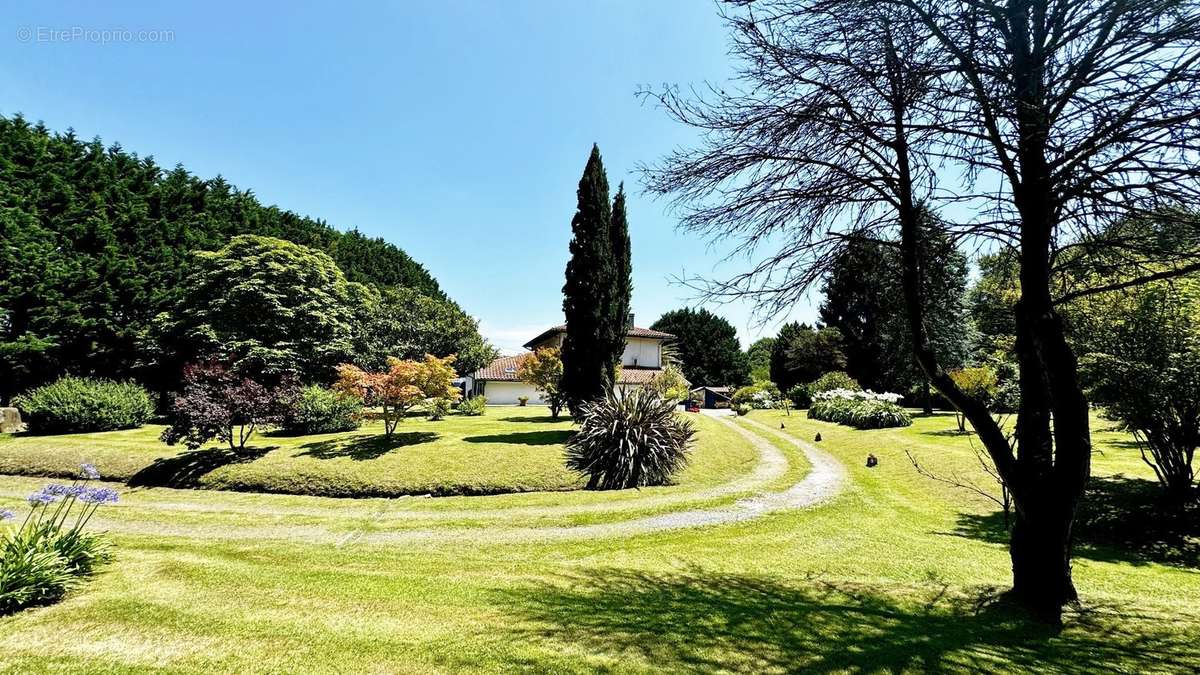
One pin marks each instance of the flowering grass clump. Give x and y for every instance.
(859, 409)
(51, 551)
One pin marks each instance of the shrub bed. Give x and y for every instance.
(760, 395)
(859, 409)
(317, 410)
(84, 404)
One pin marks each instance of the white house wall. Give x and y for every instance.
(507, 393)
(642, 352)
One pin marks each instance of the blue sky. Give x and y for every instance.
(457, 130)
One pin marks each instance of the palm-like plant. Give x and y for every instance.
(630, 439)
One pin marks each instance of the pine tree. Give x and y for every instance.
(587, 367)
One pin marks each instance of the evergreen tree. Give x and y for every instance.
(780, 373)
(96, 241)
(707, 346)
(587, 362)
(803, 354)
(621, 289)
(864, 300)
(860, 295)
(758, 357)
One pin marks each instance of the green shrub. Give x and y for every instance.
(758, 395)
(317, 410)
(630, 439)
(831, 381)
(742, 409)
(800, 396)
(437, 408)
(31, 573)
(84, 404)
(473, 407)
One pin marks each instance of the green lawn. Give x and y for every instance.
(515, 449)
(895, 574)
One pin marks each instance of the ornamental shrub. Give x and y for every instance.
(859, 409)
(84, 404)
(979, 383)
(473, 407)
(630, 439)
(831, 381)
(405, 384)
(437, 408)
(759, 395)
(51, 551)
(317, 410)
(742, 409)
(800, 396)
(219, 404)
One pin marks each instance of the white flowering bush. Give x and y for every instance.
(760, 396)
(859, 409)
(762, 400)
(857, 395)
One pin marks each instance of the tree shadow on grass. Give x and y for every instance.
(187, 468)
(1120, 520)
(364, 447)
(548, 437)
(705, 622)
(537, 419)
(949, 432)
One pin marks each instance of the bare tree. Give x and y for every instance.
(1030, 125)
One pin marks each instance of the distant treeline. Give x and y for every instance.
(94, 242)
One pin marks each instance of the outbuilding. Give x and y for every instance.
(711, 397)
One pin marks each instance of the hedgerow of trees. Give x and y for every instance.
(95, 242)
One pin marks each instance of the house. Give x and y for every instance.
(712, 397)
(499, 381)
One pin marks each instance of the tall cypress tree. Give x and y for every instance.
(621, 288)
(587, 367)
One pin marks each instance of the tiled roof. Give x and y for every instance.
(633, 332)
(503, 369)
(637, 375)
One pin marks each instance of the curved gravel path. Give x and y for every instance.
(825, 479)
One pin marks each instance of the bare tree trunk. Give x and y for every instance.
(1040, 549)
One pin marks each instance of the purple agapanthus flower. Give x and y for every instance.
(41, 499)
(89, 471)
(6, 514)
(99, 495)
(60, 490)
